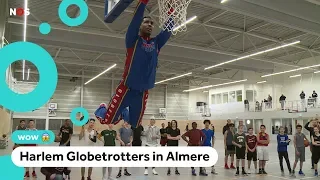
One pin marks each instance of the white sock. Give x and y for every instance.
(109, 171)
(104, 172)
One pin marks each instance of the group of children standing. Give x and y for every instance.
(256, 148)
(242, 145)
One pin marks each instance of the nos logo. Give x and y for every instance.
(19, 12)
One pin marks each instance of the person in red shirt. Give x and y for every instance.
(252, 150)
(263, 140)
(195, 138)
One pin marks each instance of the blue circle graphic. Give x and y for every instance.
(44, 28)
(48, 76)
(73, 116)
(84, 12)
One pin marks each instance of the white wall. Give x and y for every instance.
(197, 96)
(232, 105)
(68, 96)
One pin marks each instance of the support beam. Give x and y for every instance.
(82, 89)
(189, 47)
(269, 15)
(181, 83)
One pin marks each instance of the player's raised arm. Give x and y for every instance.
(164, 35)
(134, 27)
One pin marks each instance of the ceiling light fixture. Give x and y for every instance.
(28, 75)
(24, 34)
(317, 72)
(205, 91)
(298, 75)
(223, 1)
(187, 22)
(292, 70)
(251, 55)
(260, 82)
(100, 74)
(210, 86)
(176, 77)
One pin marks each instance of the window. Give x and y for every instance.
(213, 99)
(249, 95)
(218, 98)
(232, 96)
(254, 95)
(287, 124)
(225, 97)
(257, 124)
(239, 96)
(248, 123)
(275, 125)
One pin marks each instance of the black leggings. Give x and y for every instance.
(286, 158)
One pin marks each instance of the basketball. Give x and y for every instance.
(306, 143)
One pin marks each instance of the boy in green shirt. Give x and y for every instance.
(239, 141)
(109, 139)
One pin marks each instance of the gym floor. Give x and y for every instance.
(272, 168)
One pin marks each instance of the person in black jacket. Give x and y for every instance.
(303, 99)
(282, 100)
(269, 101)
(310, 129)
(54, 173)
(226, 127)
(315, 97)
(314, 94)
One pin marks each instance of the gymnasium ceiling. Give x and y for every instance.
(221, 32)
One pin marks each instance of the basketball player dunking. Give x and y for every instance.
(140, 70)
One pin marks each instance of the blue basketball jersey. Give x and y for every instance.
(209, 135)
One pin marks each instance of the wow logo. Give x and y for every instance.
(33, 137)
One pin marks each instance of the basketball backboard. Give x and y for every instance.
(113, 9)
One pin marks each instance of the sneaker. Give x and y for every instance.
(154, 172)
(119, 174)
(316, 173)
(213, 171)
(282, 173)
(168, 172)
(249, 171)
(26, 175)
(89, 178)
(146, 172)
(226, 166)
(177, 172)
(34, 175)
(232, 167)
(301, 173)
(292, 174)
(126, 173)
(203, 173)
(82, 178)
(193, 172)
(237, 173)
(244, 173)
(260, 171)
(264, 172)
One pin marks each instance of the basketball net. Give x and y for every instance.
(178, 17)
